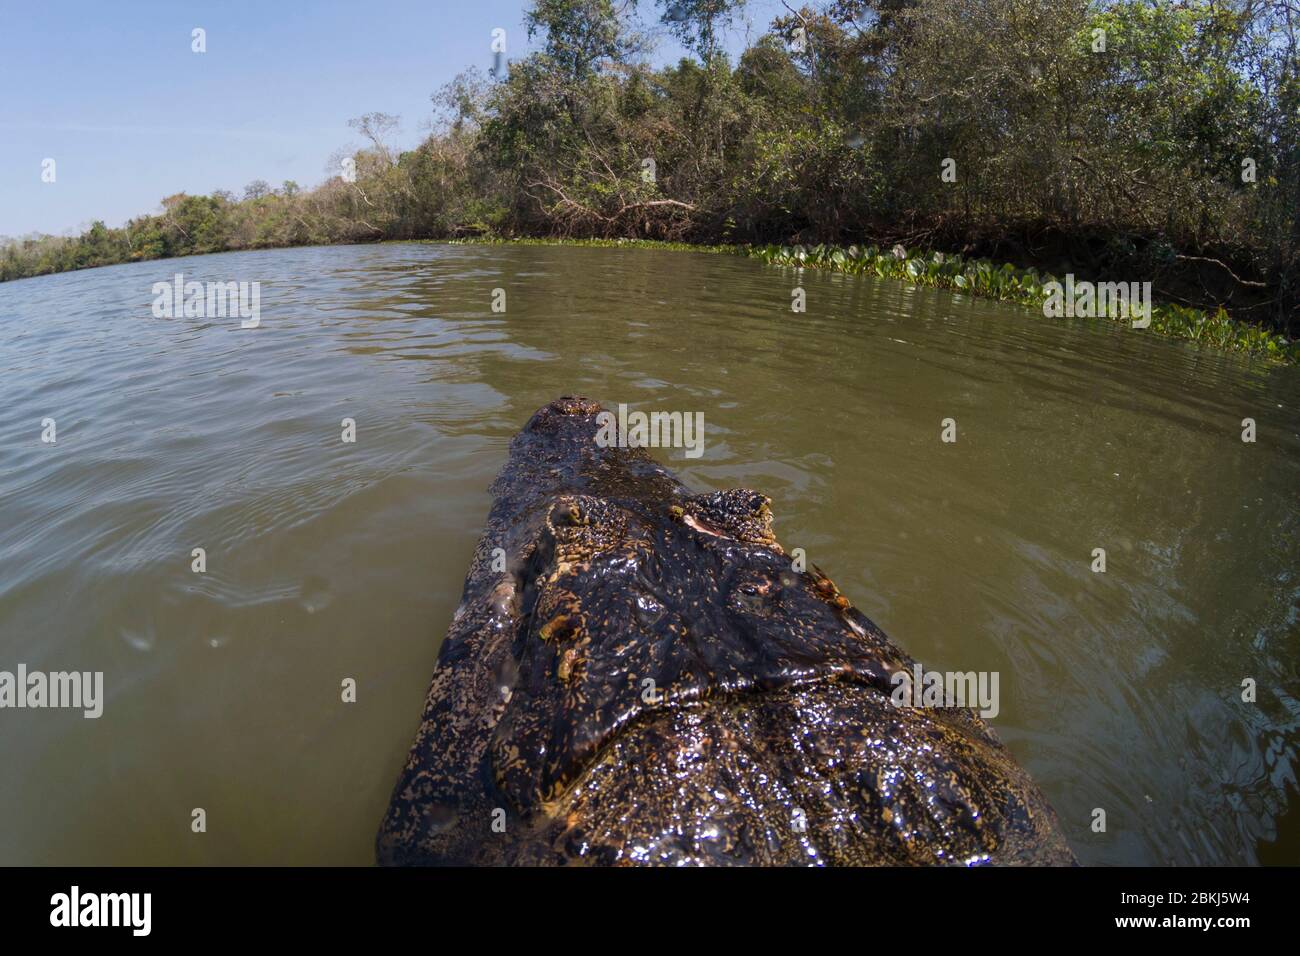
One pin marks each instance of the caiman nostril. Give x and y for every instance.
(574, 405)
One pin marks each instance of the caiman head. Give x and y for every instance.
(637, 673)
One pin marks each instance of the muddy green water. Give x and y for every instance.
(327, 560)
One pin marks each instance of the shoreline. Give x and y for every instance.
(981, 278)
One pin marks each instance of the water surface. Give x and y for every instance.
(328, 560)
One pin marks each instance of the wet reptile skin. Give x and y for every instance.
(767, 737)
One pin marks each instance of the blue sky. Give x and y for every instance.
(111, 90)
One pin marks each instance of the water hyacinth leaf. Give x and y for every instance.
(1005, 282)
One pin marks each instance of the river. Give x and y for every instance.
(327, 560)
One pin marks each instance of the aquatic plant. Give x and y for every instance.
(1028, 287)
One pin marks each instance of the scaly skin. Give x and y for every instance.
(767, 737)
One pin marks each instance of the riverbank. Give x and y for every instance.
(979, 277)
(1178, 165)
(1005, 282)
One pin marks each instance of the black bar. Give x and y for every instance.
(653, 908)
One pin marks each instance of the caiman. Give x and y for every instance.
(639, 675)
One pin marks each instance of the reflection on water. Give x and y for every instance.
(328, 560)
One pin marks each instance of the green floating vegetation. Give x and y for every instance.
(1027, 287)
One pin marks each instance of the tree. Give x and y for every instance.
(580, 33)
(377, 128)
(697, 22)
